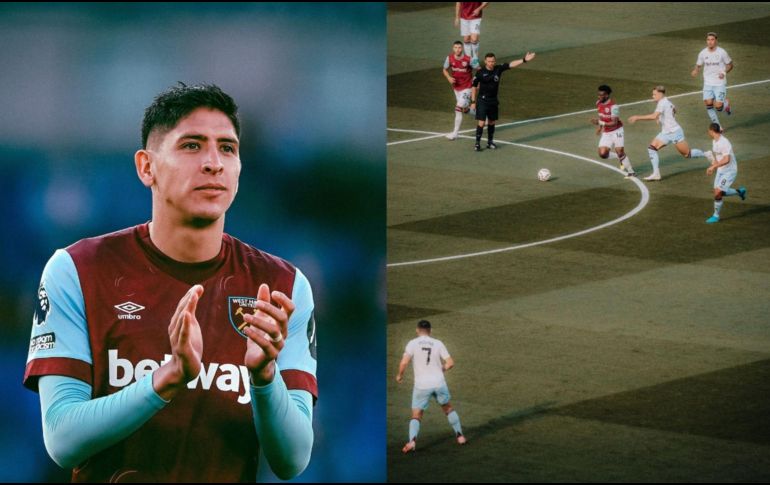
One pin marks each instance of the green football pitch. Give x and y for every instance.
(601, 330)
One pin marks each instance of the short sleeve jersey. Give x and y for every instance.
(426, 353)
(713, 62)
(667, 110)
(721, 148)
(488, 81)
(607, 111)
(462, 71)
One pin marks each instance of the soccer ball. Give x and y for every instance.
(544, 175)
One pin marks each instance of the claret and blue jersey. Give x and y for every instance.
(103, 312)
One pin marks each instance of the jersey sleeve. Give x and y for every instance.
(615, 110)
(59, 343)
(443, 351)
(297, 360)
(726, 147)
(409, 350)
(76, 427)
(699, 61)
(446, 62)
(504, 67)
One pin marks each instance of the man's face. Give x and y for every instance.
(457, 49)
(657, 95)
(711, 41)
(489, 62)
(196, 166)
(603, 96)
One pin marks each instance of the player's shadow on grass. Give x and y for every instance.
(498, 424)
(672, 165)
(750, 122)
(760, 209)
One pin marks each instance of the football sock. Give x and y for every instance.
(718, 207)
(479, 131)
(695, 153)
(474, 49)
(490, 133)
(729, 192)
(626, 164)
(454, 420)
(458, 120)
(614, 155)
(712, 114)
(414, 429)
(468, 49)
(654, 159)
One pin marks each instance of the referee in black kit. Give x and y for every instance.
(485, 86)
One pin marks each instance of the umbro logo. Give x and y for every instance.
(129, 308)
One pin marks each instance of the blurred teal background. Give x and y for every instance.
(310, 83)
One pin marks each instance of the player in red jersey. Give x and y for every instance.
(468, 18)
(611, 129)
(171, 351)
(458, 70)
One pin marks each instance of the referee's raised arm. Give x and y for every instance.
(527, 57)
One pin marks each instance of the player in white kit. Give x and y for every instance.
(716, 64)
(670, 131)
(726, 166)
(430, 360)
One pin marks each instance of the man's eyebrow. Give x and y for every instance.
(205, 138)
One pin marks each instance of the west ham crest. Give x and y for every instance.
(238, 306)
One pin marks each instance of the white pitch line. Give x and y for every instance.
(642, 203)
(564, 115)
(412, 131)
(416, 139)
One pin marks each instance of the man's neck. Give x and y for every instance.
(186, 243)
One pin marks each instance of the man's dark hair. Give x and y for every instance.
(423, 324)
(712, 34)
(715, 128)
(605, 88)
(457, 42)
(488, 55)
(179, 101)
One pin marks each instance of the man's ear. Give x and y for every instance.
(144, 166)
